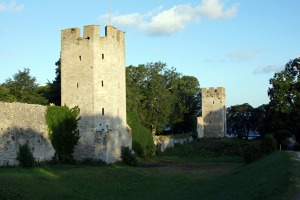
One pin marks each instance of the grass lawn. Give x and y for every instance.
(163, 177)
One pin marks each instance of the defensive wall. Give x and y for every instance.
(20, 124)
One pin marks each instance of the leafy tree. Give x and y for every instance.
(62, 130)
(240, 120)
(187, 102)
(53, 90)
(22, 89)
(283, 101)
(135, 85)
(162, 97)
(148, 95)
(5, 94)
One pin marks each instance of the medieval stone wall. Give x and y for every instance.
(20, 124)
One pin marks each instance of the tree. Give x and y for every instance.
(22, 88)
(283, 93)
(157, 102)
(240, 120)
(187, 102)
(162, 97)
(5, 94)
(53, 89)
(147, 95)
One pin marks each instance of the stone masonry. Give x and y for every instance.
(23, 123)
(93, 77)
(212, 123)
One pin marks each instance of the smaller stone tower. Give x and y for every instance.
(212, 123)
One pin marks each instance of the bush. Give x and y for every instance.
(142, 139)
(207, 147)
(62, 130)
(25, 157)
(268, 144)
(253, 152)
(128, 156)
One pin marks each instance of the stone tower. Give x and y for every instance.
(93, 78)
(212, 123)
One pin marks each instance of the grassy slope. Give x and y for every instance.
(159, 178)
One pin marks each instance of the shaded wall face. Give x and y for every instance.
(20, 124)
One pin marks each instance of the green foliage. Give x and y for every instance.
(258, 149)
(283, 110)
(22, 88)
(210, 148)
(5, 94)
(268, 144)
(253, 152)
(128, 156)
(62, 130)
(162, 97)
(25, 156)
(243, 119)
(53, 93)
(142, 140)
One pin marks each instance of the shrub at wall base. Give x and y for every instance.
(62, 130)
(25, 156)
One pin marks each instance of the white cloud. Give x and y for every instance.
(268, 69)
(214, 9)
(242, 55)
(11, 6)
(163, 22)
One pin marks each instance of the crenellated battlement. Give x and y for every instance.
(91, 32)
(213, 92)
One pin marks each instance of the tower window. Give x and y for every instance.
(102, 111)
(80, 58)
(102, 56)
(102, 83)
(77, 85)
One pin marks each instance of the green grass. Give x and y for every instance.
(164, 177)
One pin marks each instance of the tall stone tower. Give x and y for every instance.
(212, 123)
(93, 78)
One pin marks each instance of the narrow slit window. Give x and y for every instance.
(102, 56)
(102, 111)
(77, 85)
(80, 58)
(102, 83)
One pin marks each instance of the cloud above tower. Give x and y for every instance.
(11, 6)
(164, 22)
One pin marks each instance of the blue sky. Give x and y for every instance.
(237, 44)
